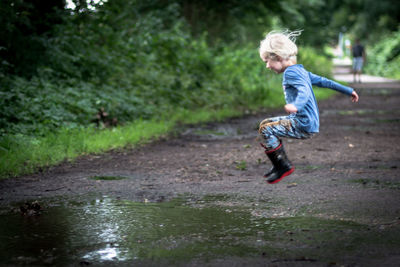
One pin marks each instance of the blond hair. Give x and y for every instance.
(279, 43)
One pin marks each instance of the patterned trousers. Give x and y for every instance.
(272, 129)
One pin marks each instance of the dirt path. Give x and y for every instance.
(350, 171)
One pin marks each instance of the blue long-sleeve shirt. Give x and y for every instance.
(297, 86)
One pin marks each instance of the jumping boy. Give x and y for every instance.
(279, 51)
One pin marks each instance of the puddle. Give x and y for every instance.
(108, 178)
(100, 230)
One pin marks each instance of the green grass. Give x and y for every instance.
(22, 155)
(241, 165)
(323, 93)
(30, 154)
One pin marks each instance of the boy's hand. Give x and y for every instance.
(354, 97)
(290, 108)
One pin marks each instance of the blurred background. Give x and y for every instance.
(70, 66)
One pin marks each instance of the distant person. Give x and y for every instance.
(279, 51)
(359, 58)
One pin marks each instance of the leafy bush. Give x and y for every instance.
(134, 73)
(383, 58)
(315, 62)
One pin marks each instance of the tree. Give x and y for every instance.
(26, 26)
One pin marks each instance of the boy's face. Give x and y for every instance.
(274, 64)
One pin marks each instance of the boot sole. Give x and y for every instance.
(289, 172)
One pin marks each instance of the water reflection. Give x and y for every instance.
(101, 230)
(105, 229)
(107, 254)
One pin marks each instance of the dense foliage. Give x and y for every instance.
(133, 71)
(384, 57)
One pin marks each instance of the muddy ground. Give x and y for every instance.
(349, 171)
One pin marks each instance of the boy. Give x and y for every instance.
(279, 51)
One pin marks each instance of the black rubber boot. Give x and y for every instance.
(271, 171)
(282, 166)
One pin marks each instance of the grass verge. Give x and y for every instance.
(21, 155)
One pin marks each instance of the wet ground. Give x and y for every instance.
(199, 198)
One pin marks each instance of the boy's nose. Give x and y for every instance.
(267, 65)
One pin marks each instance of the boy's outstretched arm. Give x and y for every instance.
(324, 82)
(327, 83)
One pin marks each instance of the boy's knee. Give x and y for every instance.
(266, 125)
(265, 133)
